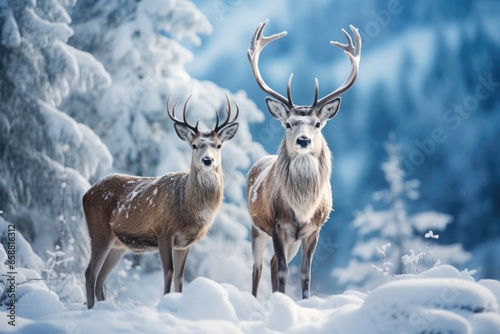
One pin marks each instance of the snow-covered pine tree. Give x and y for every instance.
(46, 157)
(390, 241)
(139, 44)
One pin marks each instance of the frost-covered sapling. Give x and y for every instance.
(430, 235)
(386, 266)
(412, 259)
(391, 223)
(166, 213)
(55, 263)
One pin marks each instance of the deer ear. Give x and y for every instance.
(277, 109)
(329, 110)
(228, 132)
(184, 132)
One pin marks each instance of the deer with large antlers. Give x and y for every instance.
(289, 195)
(166, 213)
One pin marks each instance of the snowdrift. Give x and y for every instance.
(441, 300)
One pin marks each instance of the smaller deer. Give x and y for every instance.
(166, 213)
(289, 195)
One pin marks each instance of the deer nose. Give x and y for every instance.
(207, 161)
(303, 141)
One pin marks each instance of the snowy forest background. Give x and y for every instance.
(83, 89)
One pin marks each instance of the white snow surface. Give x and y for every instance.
(440, 300)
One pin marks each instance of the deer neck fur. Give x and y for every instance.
(302, 179)
(203, 192)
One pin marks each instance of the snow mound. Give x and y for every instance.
(204, 299)
(38, 304)
(428, 305)
(442, 271)
(493, 286)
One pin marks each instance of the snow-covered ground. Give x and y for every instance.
(440, 300)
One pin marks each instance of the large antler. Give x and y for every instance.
(353, 51)
(258, 43)
(171, 114)
(228, 120)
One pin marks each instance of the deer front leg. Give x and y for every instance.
(165, 249)
(180, 256)
(280, 244)
(308, 249)
(274, 273)
(259, 241)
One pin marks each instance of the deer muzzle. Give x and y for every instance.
(303, 141)
(207, 161)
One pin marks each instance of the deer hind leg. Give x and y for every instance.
(308, 248)
(100, 247)
(112, 260)
(180, 256)
(259, 241)
(165, 249)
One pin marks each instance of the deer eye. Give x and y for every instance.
(318, 125)
(219, 146)
(288, 125)
(194, 147)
